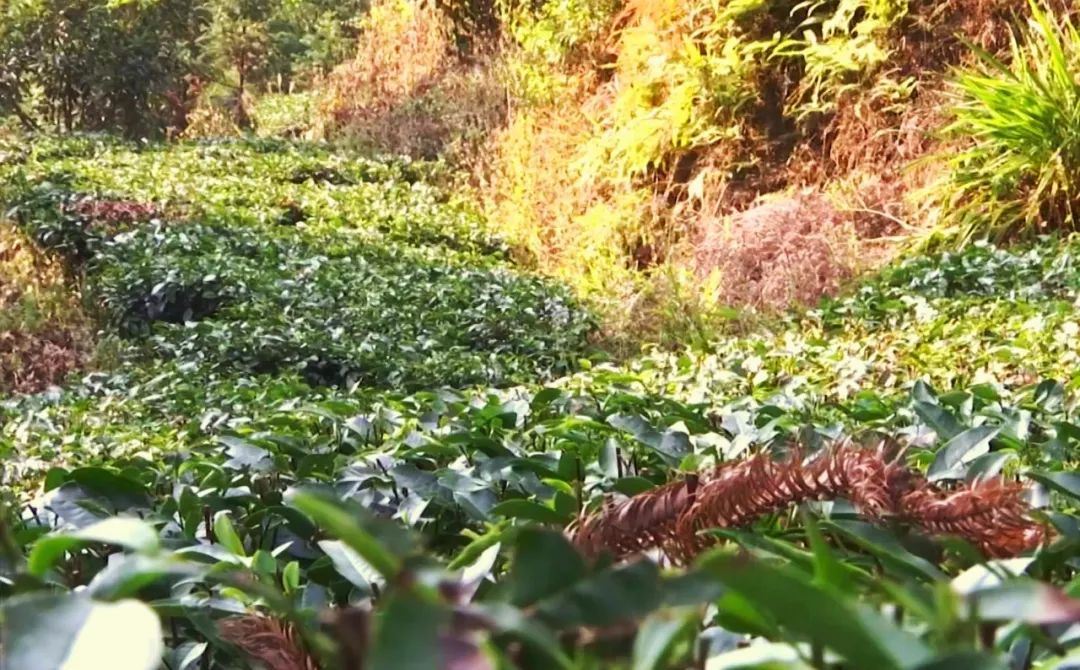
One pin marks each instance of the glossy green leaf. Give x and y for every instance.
(529, 510)
(130, 533)
(1067, 483)
(339, 523)
(950, 460)
(55, 631)
(226, 535)
(656, 636)
(863, 637)
(544, 563)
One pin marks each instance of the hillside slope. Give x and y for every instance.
(670, 160)
(225, 505)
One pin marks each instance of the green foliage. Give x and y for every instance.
(343, 270)
(1018, 174)
(838, 47)
(95, 65)
(139, 66)
(279, 43)
(187, 486)
(282, 114)
(690, 102)
(548, 39)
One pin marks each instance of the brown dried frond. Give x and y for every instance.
(992, 514)
(642, 522)
(735, 495)
(269, 643)
(779, 252)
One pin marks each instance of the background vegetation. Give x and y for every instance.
(572, 334)
(144, 67)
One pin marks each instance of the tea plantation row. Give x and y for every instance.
(339, 421)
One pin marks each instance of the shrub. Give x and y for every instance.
(94, 65)
(140, 67)
(548, 48)
(784, 252)
(838, 47)
(1022, 119)
(408, 91)
(44, 335)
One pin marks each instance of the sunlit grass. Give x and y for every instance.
(1022, 117)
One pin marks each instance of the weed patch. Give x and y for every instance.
(349, 273)
(44, 335)
(1016, 177)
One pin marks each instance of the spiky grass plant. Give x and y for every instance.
(1021, 173)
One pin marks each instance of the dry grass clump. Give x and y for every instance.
(992, 515)
(784, 251)
(408, 91)
(210, 118)
(44, 334)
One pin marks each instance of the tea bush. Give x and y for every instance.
(477, 476)
(190, 507)
(348, 272)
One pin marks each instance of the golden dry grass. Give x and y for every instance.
(44, 333)
(408, 92)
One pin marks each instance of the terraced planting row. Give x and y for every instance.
(341, 429)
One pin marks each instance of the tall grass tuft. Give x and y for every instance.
(1021, 173)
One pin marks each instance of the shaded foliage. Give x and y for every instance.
(140, 67)
(190, 507)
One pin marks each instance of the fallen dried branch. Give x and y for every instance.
(991, 514)
(269, 642)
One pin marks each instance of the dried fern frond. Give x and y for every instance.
(642, 522)
(735, 495)
(269, 643)
(992, 515)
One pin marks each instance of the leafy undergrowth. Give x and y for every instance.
(220, 514)
(44, 335)
(265, 258)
